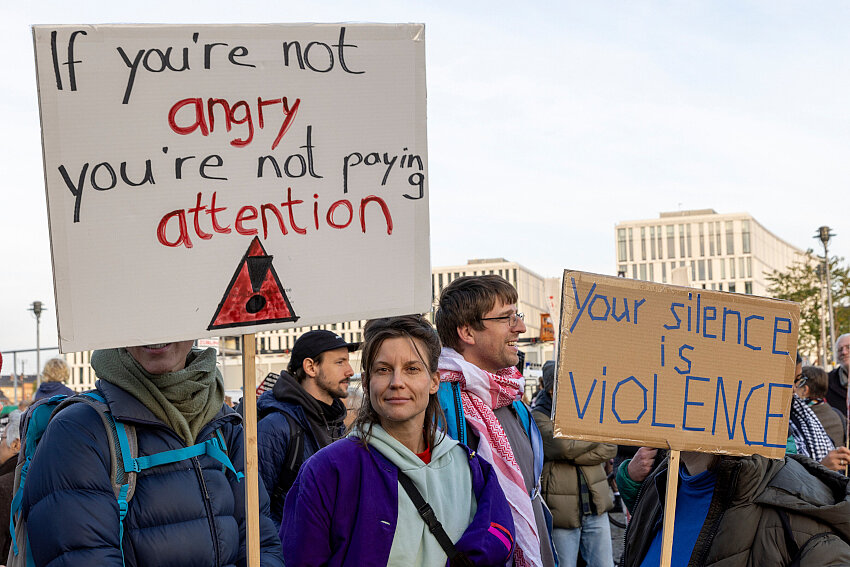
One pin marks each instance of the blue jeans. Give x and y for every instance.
(593, 538)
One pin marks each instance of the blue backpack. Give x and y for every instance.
(123, 450)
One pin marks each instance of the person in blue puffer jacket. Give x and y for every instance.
(188, 513)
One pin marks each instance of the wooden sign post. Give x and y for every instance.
(249, 426)
(675, 368)
(673, 457)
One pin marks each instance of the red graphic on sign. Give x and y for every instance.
(254, 295)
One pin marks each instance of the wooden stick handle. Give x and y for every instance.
(249, 427)
(673, 457)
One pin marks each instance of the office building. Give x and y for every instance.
(702, 248)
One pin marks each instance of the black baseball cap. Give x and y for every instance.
(313, 343)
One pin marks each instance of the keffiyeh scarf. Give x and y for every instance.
(808, 432)
(481, 393)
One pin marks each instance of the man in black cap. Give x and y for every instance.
(303, 412)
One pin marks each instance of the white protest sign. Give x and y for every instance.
(209, 180)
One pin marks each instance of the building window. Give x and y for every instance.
(659, 242)
(711, 239)
(621, 269)
(748, 288)
(671, 241)
(742, 272)
(652, 241)
(631, 247)
(634, 271)
(732, 287)
(745, 236)
(749, 266)
(732, 268)
(723, 269)
(515, 280)
(643, 243)
(693, 271)
(621, 245)
(652, 271)
(701, 265)
(710, 269)
(690, 250)
(701, 240)
(663, 272)
(643, 271)
(730, 237)
(681, 241)
(717, 237)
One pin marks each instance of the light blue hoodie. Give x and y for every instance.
(445, 483)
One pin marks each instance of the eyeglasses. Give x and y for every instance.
(512, 319)
(801, 381)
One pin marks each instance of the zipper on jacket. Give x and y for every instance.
(208, 505)
(461, 429)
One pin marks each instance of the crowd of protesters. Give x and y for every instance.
(444, 464)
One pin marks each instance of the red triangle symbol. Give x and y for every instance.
(255, 294)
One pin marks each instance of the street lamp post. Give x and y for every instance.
(824, 235)
(821, 271)
(37, 308)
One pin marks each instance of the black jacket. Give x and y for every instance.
(743, 527)
(321, 426)
(836, 394)
(188, 514)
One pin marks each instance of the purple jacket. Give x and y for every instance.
(343, 507)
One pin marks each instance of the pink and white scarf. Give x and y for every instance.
(481, 393)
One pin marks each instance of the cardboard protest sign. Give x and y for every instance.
(208, 180)
(689, 369)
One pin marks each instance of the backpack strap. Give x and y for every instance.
(456, 558)
(212, 447)
(795, 551)
(292, 461)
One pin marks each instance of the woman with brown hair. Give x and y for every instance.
(352, 503)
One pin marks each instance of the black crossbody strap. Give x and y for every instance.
(456, 558)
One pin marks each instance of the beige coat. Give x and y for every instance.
(564, 460)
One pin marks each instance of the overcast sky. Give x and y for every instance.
(547, 123)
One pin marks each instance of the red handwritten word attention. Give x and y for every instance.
(238, 113)
(339, 215)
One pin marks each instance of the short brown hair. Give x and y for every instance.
(466, 300)
(375, 332)
(816, 380)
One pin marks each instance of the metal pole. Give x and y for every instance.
(37, 308)
(15, 374)
(824, 234)
(822, 315)
(829, 296)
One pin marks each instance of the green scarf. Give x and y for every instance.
(185, 400)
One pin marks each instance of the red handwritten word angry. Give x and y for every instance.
(193, 114)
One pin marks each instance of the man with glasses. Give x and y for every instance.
(480, 393)
(837, 393)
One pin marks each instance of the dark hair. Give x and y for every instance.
(466, 300)
(299, 373)
(375, 332)
(817, 381)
